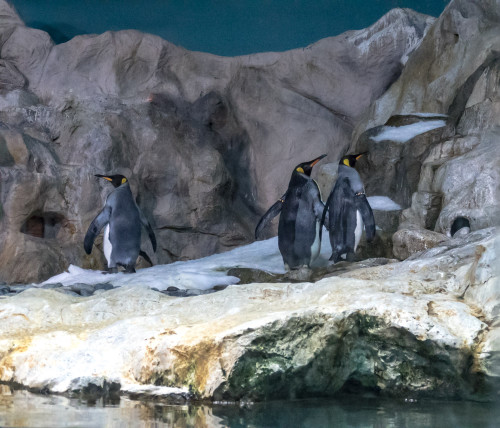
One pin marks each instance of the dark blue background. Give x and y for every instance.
(223, 27)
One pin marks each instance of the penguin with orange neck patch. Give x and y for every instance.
(123, 220)
(300, 209)
(349, 211)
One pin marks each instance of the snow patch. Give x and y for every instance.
(402, 134)
(200, 274)
(383, 203)
(425, 114)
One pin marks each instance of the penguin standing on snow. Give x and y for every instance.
(349, 211)
(301, 208)
(123, 220)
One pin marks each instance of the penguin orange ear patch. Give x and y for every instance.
(300, 169)
(346, 162)
(124, 180)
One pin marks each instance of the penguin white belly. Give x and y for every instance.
(359, 230)
(107, 247)
(316, 246)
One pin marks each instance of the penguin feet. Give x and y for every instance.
(350, 257)
(336, 257)
(347, 257)
(299, 274)
(129, 269)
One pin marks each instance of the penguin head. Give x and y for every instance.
(115, 180)
(306, 167)
(350, 160)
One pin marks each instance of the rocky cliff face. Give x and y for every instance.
(453, 170)
(207, 142)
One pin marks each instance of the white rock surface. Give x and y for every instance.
(384, 327)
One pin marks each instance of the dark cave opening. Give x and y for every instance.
(43, 225)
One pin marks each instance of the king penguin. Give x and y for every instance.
(123, 220)
(301, 208)
(349, 211)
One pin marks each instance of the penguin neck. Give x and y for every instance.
(123, 188)
(298, 179)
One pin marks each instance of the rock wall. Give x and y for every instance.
(452, 171)
(207, 142)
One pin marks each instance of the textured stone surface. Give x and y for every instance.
(397, 328)
(207, 142)
(392, 168)
(407, 242)
(459, 48)
(454, 71)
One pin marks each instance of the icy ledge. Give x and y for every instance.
(400, 328)
(402, 134)
(383, 203)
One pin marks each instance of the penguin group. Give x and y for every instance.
(302, 217)
(303, 214)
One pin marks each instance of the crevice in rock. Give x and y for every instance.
(458, 224)
(187, 229)
(43, 225)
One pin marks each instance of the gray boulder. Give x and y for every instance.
(407, 242)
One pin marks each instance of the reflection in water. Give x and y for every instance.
(353, 411)
(21, 408)
(24, 409)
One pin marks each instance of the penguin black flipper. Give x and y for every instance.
(269, 215)
(150, 230)
(366, 212)
(144, 255)
(95, 228)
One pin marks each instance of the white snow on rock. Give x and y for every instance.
(427, 114)
(402, 134)
(200, 274)
(383, 203)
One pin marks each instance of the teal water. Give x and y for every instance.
(221, 27)
(24, 409)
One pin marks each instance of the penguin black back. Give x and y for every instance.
(300, 210)
(123, 221)
(349, 210)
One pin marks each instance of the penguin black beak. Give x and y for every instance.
(103, 176)
(360, 154)
(315, 161)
